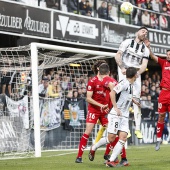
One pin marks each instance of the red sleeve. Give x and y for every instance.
(90, 85)
(161, 61)
(107, 80)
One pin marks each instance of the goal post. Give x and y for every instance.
(34, 65)
(22, 69)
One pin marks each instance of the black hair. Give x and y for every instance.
(168, 50)
(104, 69)
(96, 65)
(143, 28)
(131, 72)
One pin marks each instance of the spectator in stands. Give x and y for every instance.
(88, 9)
(156, 5)
(75, 94)
(43, 88)
(69, 94)
(146, 106)
(143, 88)
(110, 12)
(153, 78)
(80, 94)
(147, 91)
(148, 4)
(146, 19)
(66, 84)
(166, 11)
(166, 4)
(141, 2)
(154, 21)
(153, 92)
(136, 16)
(82, 7)
(77, 83)
(163, 22)
(72, 6)
(102, 11)
(52, 4)
(57, 76)
(54, 89)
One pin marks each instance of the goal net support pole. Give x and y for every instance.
(34, 66)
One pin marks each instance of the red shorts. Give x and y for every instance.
(93, 116)
(164, 101)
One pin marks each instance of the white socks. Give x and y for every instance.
(101, 142)
(117, 150)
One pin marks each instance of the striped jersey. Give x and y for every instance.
(133, 53)
(126, 93)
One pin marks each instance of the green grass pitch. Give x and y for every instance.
(140, 158)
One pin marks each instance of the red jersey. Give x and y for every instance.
(165, 65)
(106, 89)
(95, 85)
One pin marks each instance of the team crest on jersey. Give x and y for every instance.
(97, 86)
(117, 88)
(89, 87)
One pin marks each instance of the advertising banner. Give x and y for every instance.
(11, 17)
(76, 28)
(23, 19)
(112, 35)
(37, 22)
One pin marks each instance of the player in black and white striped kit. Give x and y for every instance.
(134, 53)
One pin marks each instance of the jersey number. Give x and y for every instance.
(116, 124)
(92, 116)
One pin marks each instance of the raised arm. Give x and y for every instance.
(118, 59)
(147, 43)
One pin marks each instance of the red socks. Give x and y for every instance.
(160, 127)
(110, 146)
(82, 145)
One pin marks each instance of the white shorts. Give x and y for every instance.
(137, 84)
(117, 123)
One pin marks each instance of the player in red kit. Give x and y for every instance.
(97, 109)
(164, 96)
(108, 84)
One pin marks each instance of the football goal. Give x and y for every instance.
(42, 97)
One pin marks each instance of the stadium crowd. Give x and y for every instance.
(75, 87)
(150, 13)
(62, 84)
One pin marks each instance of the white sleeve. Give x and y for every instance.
(123, 46)
(120, 86)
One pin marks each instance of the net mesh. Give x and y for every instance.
(62, 117)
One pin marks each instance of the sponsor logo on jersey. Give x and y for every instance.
(99, 92)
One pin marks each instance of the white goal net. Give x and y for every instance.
(42, 97)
